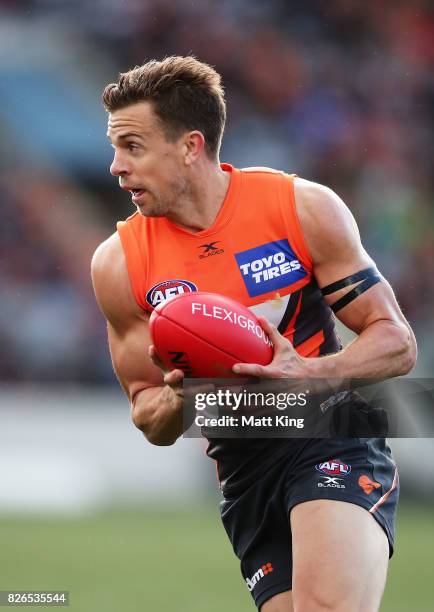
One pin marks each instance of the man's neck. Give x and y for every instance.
(202, 203)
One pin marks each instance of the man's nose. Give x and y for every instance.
(119, 167)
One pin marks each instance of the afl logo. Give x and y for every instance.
(168, 289)
(334, 467)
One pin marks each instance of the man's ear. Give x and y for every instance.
(194, 145)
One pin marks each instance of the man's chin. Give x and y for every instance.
(149, 212)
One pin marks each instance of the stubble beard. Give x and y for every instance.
(167, 204)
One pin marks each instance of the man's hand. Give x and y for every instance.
(286, 362)
(172, 378)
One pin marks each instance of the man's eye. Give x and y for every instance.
(131, 146)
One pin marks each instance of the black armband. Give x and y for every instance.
(368, 277)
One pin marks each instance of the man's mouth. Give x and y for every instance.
(137, 196)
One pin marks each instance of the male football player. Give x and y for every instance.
(290, 250)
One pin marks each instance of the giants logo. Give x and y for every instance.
(269, 267)
(334, 467)
(367, 484)
(168, 289)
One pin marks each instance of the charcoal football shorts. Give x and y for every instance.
(356, 470)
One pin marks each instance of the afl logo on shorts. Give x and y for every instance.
(168, 289)
(334, 467)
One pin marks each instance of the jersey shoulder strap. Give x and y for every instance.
(130, 232)
(293, 225)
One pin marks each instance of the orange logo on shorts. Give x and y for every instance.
(267, 568)
(367, 484)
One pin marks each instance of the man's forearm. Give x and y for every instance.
(383, 350)
(157, 412)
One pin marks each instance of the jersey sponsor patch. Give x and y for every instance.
(334, 467)
(168, 289)
(269, 267)
(267, 568)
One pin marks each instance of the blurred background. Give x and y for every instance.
(339, 92)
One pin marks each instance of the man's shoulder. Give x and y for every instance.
(312, 192)
(327, 223)
(109, 260)
(262, 170)
(319, 205)
(111, 281)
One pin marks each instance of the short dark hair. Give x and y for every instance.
(186, 94)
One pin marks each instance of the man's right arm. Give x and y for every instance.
(155, 395)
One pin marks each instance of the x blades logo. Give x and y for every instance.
(210, 249)
(331, 482)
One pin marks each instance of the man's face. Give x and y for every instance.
(147, 165)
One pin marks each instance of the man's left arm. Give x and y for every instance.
(385, 345)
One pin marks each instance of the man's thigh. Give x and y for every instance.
(340, 558)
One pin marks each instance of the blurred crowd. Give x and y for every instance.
(338, 92)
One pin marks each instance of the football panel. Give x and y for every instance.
(181, 349)
(237, 332)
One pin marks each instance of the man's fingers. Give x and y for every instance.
(272, 331)
(257, 370)
(174, 377)
(249, 369)
(171, 377)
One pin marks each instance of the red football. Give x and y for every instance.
(205, 334)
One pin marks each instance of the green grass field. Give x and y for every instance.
(174, 561)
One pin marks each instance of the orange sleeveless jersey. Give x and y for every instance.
(254, 252)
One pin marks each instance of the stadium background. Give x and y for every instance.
(339, 92)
